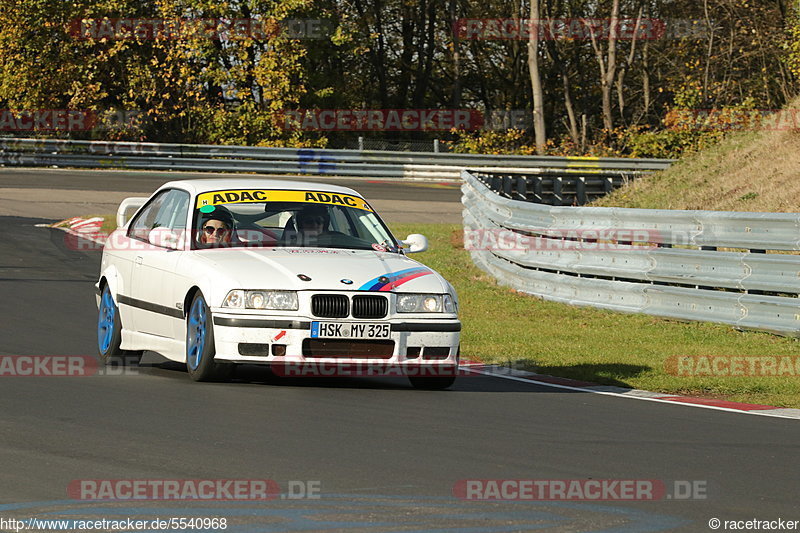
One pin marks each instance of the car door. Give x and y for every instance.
(162, 229)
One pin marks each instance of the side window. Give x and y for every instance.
(145, 221)
(173, 212)
(167, 210)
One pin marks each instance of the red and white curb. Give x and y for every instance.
(81, 225)
(608, 390)
(85, 228)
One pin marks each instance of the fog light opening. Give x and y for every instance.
(279, 350)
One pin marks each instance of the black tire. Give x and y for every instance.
(200, 350)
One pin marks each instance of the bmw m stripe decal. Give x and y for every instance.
(389, 281)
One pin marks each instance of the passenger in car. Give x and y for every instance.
(313, 220)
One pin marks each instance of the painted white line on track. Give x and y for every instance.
(635, 394)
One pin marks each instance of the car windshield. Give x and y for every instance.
(288, 218)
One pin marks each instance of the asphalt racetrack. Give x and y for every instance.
(346, 454)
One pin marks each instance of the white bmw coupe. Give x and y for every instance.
(304, 277)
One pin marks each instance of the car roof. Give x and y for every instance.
(197, 186)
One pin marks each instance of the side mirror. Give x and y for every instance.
(415, 243)
(164, 238)
(128, 205)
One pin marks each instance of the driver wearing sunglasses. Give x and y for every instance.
(216, 228)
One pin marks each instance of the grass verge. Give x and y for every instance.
(503, 326)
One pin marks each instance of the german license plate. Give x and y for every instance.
(349, 330)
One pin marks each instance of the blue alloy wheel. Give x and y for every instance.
(200, 344)
(109, 332)
(196, 333)
(105, 321)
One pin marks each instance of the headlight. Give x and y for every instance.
(425, 303)
(276, 300)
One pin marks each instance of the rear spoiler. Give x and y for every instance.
(128, 204)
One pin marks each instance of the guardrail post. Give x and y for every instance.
(508, 186)
(497, 183)
(580, 190)
(537, 190)
(360, 143)
(436, 146)
(558, 198)
(522, 188)
(608, 184)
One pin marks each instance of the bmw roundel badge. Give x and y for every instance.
(347, 281)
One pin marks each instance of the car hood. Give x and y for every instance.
(328, 269)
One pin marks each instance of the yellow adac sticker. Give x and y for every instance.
(260, 195)
(231, 197)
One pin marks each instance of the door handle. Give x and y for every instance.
(138, 260)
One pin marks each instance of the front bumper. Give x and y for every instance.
(261, 339)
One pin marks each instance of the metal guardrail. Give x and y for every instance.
(553, 186)
(154, 156)
(658, 262)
